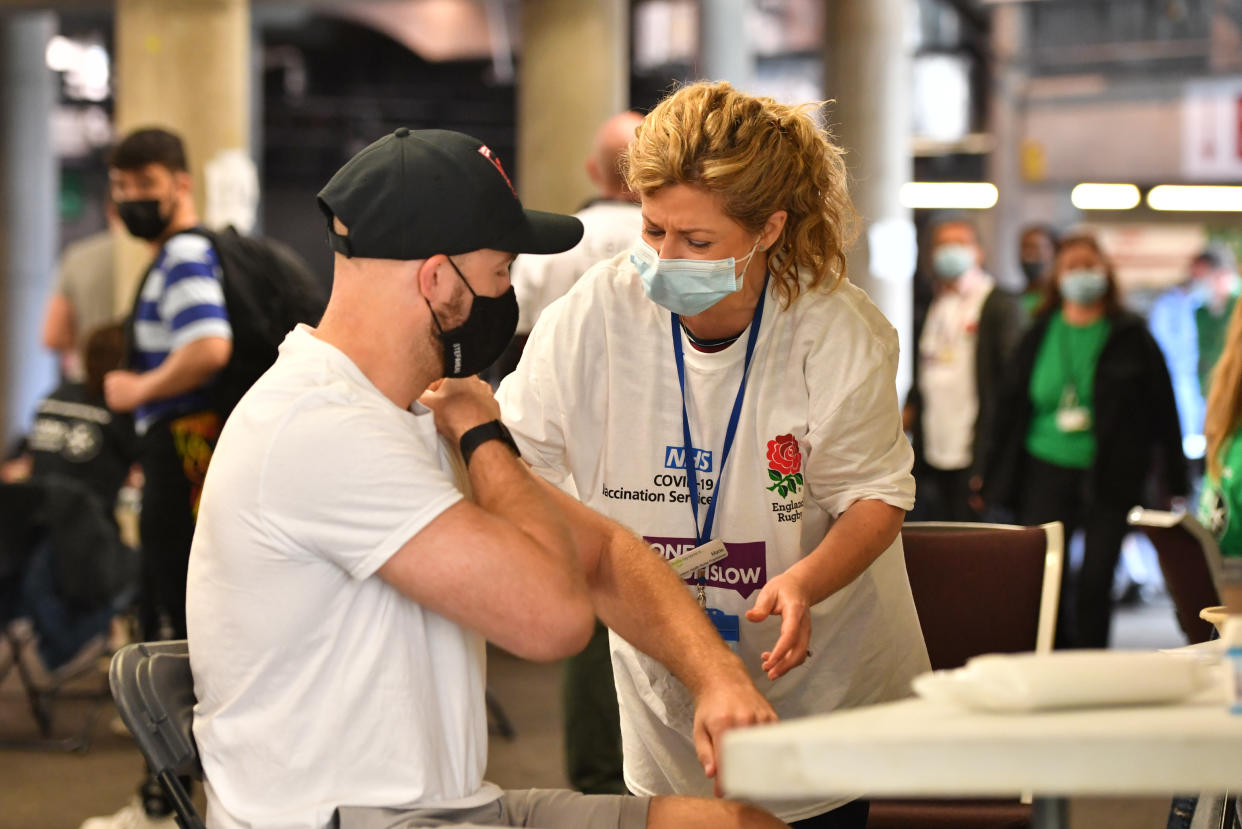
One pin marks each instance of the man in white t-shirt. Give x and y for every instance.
(970, 330)
(342, 587)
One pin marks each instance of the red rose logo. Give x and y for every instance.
(784, 465)
(784, 455)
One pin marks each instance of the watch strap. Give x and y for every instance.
(477, 436)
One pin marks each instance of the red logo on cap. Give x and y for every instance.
(486, 153)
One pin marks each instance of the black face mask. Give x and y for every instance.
(481, 339)
(1032, 270)
(143, 218)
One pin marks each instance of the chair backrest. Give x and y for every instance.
(154, 693)
(1190, 563)
(984, 588)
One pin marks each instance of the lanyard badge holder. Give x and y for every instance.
(1071, 415)
(713, 549)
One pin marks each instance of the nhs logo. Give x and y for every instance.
(675, 458)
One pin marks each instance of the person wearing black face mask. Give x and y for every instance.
(476, 343)
(336, 495)
(180, 337)
(145, 219)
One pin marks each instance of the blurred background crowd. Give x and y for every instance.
(1048, 191)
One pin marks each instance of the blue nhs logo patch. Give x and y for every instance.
(675, 458)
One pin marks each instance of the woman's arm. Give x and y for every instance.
(853, 543)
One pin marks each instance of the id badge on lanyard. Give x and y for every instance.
(711, 549)
(1072, 417)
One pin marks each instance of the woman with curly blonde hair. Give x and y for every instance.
(723, 390)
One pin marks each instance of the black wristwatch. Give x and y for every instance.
(492, 430)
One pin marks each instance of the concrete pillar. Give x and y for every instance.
(573, 74)
(867, 70)
(725, 51)
(1008, 78)
(255, 102)
(29, 222)
(183, 65)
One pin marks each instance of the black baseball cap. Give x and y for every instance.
(416, 193)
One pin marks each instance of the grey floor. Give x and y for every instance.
(41, 789)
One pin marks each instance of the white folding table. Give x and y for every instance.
(916, 748)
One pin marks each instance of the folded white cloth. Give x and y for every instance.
(1068, 679)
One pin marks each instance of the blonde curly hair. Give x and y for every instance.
(757, 156)
(1224, 398)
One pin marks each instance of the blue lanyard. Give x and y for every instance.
(705, 533)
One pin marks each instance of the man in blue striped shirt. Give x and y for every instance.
(180, 339)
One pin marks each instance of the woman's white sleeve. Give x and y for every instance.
(857, 450)
(530, 407)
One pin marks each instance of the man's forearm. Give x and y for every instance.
(58, 324)
(187, 368)
(637, 594)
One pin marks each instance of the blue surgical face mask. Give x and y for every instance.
(951, 261)
(1083, 286)
(1201, 292)
(687, 286)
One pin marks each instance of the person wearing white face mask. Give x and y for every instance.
(723, 388)
(1087, 417)
(965, 341)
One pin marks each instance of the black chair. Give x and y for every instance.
(154, 692)
(81, 684)
(1190, 563)
(978, 588)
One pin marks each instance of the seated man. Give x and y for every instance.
(341, 587)
(64, 571)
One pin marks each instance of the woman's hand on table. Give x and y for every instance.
(787, 597)
(722, 706)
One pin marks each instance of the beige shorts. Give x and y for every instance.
(541, 808)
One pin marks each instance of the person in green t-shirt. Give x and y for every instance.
(1220, 505)
(1088, 415)
(1215, 284)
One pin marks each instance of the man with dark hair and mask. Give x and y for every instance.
(180, 338)
(342, 584)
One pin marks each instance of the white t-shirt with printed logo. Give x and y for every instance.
(318, 683)
(595, 402)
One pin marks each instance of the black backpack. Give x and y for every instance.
(268, 290)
